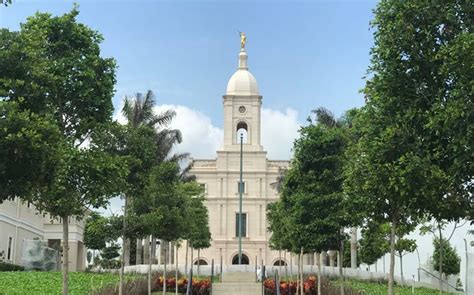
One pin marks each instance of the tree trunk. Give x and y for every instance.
(186, 260)
(198, 261)
(126, 259)
(319, 274)
(124, 246)
(341, 262)
(146, 251)
(301, 270)
(138, 259)
(279, 263)
(164, 270)
(298, 276)
(176, 269)
(354, 247)
(392, 257)
(286, 266)
(192, 256)
(401, 268)
(291, 266)
(440, 260)
(65, 266)
(148, 246)
(153, 250)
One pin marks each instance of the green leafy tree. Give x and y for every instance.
(55, 70)
(403, 247)
(30, 147)
(164, 210)
(97, 231)
(451, 260)
(374, 243)
(312, 201)
(146, 142)
(414, 156)
(109, 255)
(199, 234)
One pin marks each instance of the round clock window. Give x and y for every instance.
(242, 109)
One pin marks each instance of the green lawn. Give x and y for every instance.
(376, 289)
(29, 282)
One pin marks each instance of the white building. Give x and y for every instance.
(20, 221)
(220, 177)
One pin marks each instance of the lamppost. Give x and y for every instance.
(240, 200)
(467, 267)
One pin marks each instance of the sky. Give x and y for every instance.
(304, 55)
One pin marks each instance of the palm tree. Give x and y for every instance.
(139, 113)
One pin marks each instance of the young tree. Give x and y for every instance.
(374, 243)
(61, 74)
(312, 199)
(29, 145)
(97, 231)
(413, 156)
(199, 236)
(451, 262)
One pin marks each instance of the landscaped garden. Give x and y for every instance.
(33, 282)
(374, 288)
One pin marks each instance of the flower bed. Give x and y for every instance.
(309, 286)
(199, 287)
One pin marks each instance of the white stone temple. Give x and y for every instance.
(220, 176)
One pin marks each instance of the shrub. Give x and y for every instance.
(199, 287)
(5, 266)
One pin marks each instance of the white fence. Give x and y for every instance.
(358, 274)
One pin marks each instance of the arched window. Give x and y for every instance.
(200, 262)
(245, 259)
(242, 129)
(279, 262)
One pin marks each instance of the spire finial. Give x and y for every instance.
(243, 40)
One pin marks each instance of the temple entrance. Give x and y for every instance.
(279, 263)
(245, 259)
(200, 262)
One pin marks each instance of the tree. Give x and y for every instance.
(451, 263)
(108, 255)
(312, 197)
(414, 125)
(29, 146)
(199, 236)
(55, 70)
(166, 203)
(403, 247)
(146, 142)
(96, 231)
(374, 243)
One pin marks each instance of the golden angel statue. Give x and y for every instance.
(243, 40)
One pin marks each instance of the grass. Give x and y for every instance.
(378, 288)
(31, 282)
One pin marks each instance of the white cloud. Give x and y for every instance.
(279, 130)
(200, 137)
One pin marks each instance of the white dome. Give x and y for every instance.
(242, 81)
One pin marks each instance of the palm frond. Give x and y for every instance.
(127, 110)
(325, 117)
(162, 119)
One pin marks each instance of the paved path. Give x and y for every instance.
(237, 283)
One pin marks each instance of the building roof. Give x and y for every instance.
(242, 81)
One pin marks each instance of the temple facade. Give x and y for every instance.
(242, 104)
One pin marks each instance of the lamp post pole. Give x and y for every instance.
(240, 200)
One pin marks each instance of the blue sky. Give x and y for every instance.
(303, 54)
